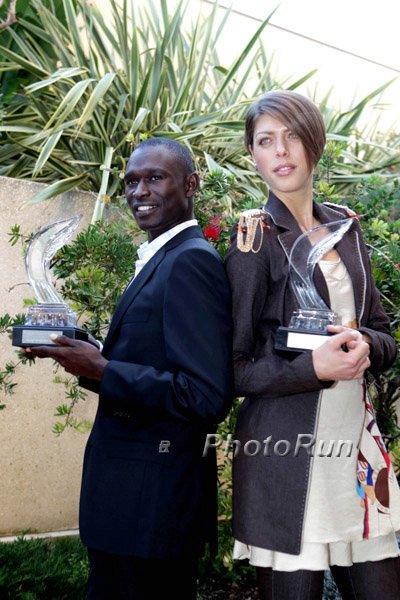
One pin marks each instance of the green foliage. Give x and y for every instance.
(78, 97)
(95, 268)
(377, 202)
(224, 461)
(57, 570)
(7, 384)
(215, 208)
(73, 394)
(16, 235)
(43, 570)
(114, 81)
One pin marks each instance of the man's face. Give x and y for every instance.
(157, 191)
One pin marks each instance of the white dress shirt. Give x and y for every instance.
(148, 249)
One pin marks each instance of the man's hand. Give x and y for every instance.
(77, 357)
(332, 362)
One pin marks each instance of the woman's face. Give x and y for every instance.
(280, 158)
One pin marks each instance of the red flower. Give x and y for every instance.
(213, 228)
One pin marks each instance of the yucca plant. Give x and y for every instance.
(111, 83)
(94, 85)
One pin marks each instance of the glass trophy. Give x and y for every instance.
(308, 325)
(51, 315)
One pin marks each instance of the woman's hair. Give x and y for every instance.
(296, 112)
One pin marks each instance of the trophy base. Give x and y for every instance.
(299, 340)
(29, 336)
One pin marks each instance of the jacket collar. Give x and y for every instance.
(283, 218)
(348, 247)
(134, 287)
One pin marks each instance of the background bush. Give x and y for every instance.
(43, 570)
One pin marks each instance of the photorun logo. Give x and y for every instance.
(268, 447)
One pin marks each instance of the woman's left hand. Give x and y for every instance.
(340, 328)
(344, 355)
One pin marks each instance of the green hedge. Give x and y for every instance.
(56, 569)
(43, 570)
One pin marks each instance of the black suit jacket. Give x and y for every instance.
(167, 384)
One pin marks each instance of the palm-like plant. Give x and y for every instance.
(109, 84)
(99, 84)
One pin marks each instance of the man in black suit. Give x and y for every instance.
(148, 499)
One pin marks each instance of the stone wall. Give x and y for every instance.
(39, 472)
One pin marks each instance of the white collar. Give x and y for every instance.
(148, 249)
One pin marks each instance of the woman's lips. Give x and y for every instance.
(285, 169)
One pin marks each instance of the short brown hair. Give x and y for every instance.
(295, 111)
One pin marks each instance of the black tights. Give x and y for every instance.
(378, 580)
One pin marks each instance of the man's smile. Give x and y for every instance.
(143, 208)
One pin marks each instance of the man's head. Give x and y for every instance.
(160, 182)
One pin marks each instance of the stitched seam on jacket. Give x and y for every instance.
(309, 470)
(364, 281)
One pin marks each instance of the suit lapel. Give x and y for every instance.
(132, 291)
(133, 288)
(349, 252)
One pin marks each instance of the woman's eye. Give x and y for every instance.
(293, 136)
(264, 141)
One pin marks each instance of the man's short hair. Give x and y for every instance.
(178, 151)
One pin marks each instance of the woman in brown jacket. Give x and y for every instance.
(313, 484)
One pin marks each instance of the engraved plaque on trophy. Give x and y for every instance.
(307, 328)
(51, 315)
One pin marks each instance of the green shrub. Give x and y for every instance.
(43, 570)
(56, 569)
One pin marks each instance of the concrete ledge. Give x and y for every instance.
(40, 536)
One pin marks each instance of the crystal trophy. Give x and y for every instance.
(308, 325)
(51, 315)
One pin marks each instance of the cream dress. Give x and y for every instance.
(353, 504)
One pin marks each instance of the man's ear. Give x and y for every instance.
(192, 184)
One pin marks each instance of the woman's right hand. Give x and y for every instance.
(332, 363)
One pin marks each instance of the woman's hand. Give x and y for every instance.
(343, 356)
